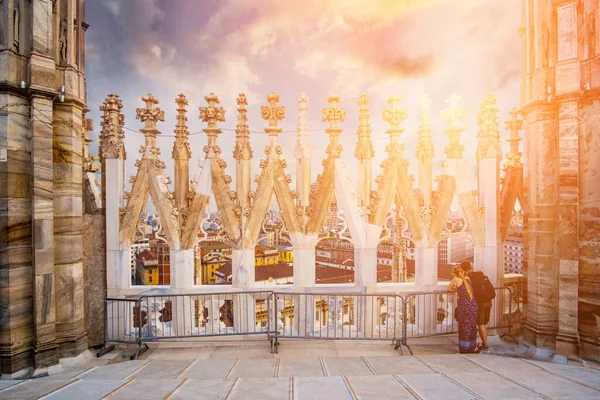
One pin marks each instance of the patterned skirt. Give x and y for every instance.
(467, 321)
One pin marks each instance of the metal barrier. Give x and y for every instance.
(285, 315)
(204, 315)
(337, 316)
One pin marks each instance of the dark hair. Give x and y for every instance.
(466, 266)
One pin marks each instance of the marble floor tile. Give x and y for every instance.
(213, 389)
(491, 386)
(114, 371)
(253, 368)
(301, 367)
(325, 388)
(306, 349)
(246, 352)
(435, 386)
(32, 389)
(350, 349)
(65, 373)
(350, 366)
(90, 389)
(589, 376)
(142, 389)
(553, 385)
(398, 365)
(501, 363)
(162, 369)
(7, 383)
(378, 388)
(209, 369)
(451, 363)
(197, 353)
(261, 389)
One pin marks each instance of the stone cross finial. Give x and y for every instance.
(112, 133)
(489, 132)
(333, 114)
(273, 113)
(242, 149)
(425, 143)
(150, 115)
(364, 146)
(302, 148)
(212, 114)
(514, 125)
(394, 115)
(181, 146)
(454, 116)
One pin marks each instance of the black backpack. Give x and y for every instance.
(483, 290)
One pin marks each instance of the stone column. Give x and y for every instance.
(112, 153)
(567, 341)
(16, 227)
(541, 325)
(68, 227)
(426, 265)
(589, 225)
(43, 208)
(489, 154)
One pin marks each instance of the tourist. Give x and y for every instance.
(484, 293)
(466, 312)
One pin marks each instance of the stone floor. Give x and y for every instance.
(310, 370)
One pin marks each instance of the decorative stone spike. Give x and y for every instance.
(489, 131)
(112, 133)
(364, 146)
(514, 126)
(302, 148)
(425, 144)
(212, 115)
(454, 116)
(181, 146)
(242, 150)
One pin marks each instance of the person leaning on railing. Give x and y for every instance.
(484, 293)
(466, 312)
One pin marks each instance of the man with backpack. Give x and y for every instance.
(484, 293)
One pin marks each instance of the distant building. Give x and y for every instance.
(146, 268)
(264, 255)
(455, 247)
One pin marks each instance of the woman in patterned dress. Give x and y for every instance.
(466, 311)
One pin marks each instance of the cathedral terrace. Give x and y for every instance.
(242, 208)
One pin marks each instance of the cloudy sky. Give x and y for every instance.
(346, 47)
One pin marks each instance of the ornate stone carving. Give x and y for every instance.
(454, 116)
(333, 115)
(514, 125)
(394, 116)
(63, 40)
(272, 113)
(425, 144)
(112, 133)
(181, 146)
(489, 132)
(150, 115)
(242, 150)
(302, 149)
(364, 146)
(212, 115)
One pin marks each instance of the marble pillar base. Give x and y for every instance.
(73, 340)
(243, 268)
(46, 356)
(16, 363)
(426, 265)
(542, 343)
(182, 269)
(567, 346)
